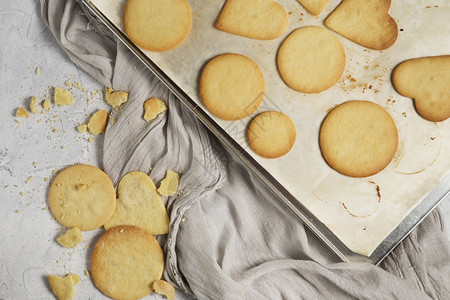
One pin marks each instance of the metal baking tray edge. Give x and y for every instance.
(426, 205)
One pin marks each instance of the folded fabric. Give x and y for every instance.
(230, 236)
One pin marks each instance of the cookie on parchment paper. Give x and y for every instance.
(256, 19)
(82, 196)
(125, 262)
(271, 134)
(157, 25)
(232, 86)
(311, 59)
(427, 81)
(314, 7)
(358, 138)
(365, 22)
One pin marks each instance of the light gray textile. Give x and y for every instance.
(230, 237)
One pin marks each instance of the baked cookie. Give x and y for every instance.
(82, 196)
(271, 134)
(63, 287)
(157, 25)
(256, 19)
(311, 59)
(365, 22)
(232, 86)
(139, 204)
(314, 7)
(427, 81)
(125, 262)
(358, 138)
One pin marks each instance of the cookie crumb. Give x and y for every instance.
(63, 97)
(22, 113)
(97, 123)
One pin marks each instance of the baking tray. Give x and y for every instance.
(412, 219)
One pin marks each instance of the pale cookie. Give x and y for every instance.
(153, 107)
(256, 19)
(358, 138)
(365, 22)
(125, 262)
(311, 59)
(63, 287)
(271, 134)
(82, 196)
(139, 204)
(232, 86)
(314, 7)
(427, 81)
(157, 25)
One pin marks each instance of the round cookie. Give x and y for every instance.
(125, 262)
(232, 86)
(82, 196)
(157, 25)
(271, 134)
(358, 138)
(311, 59)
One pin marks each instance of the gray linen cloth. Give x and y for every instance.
(230, 237)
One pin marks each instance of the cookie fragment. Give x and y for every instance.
(427, 81)
(125, 263)
(71, 238)
(162, 287)
(358, 138)
(63, 97)
(152, 108)
(115, 99)
(22, 113)
(169, 185)
(63, 287)
(256, 19)
(98, 121)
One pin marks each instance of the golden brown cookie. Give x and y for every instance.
(271, 134)
(232, 86)
(256, 19)
(314, 7)
(358, 138)
(365, 22)
(427, 81)
(82, 196)
(139, 204)
(157, 25)
(125, 262)
(311, 59)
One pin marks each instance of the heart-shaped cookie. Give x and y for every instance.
(365, 22)
(139, 204)
(256, 19)
(314, 7)
(427, 81)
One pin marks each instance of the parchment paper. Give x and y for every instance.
(360, 212)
